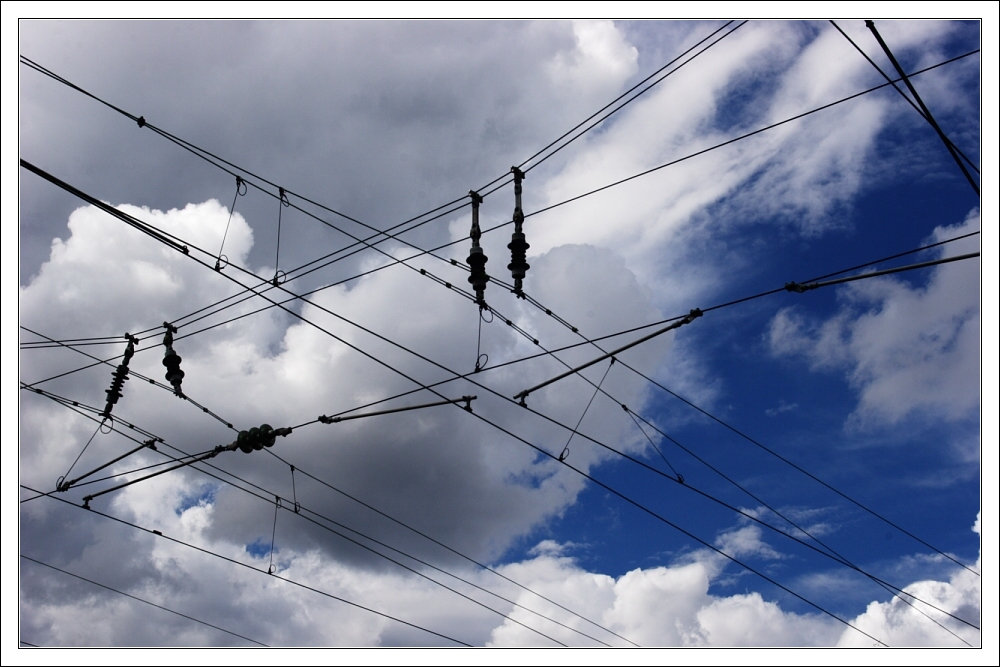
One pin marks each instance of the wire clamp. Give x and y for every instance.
(795, 287)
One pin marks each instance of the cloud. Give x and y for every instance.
(894, 340)
(402, 116)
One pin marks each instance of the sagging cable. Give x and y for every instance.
(687, 319)
(333, 420)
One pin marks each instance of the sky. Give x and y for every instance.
(655, 443)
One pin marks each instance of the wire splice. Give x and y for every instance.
(518, 245)
(172, 360)
(477, 258)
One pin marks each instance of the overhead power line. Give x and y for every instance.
(139, 599)
(899, 90)
(275, 575)
(927, 112)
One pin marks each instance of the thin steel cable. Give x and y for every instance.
(139, 599)
(255, 569)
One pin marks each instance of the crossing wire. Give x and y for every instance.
(403, 347)
(196, 458)
(480, 417)
(395, 261)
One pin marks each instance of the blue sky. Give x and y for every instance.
(852, 410)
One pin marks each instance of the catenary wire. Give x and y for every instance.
(139, 599)
(452, 371)
(901, 93)
(927, 112)
(278, 499)
(254, 569)
(610, 185)
(891, 589)
(480, 417)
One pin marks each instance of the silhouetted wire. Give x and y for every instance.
(658, 472)
(309, 322)
(396, 370)
(735, 139)
(431, 579)
(799, 468)
(254, 569)
(928, 116)
(893, 590)
(902, 94)
(463, 580)
(424, 535)
(139, 599)
(217, 161)
(395, 261)
(421, 356)
(428, 360)
(619, 182)
(632, 99)
(77, 342)
(550, 207)
(133, 373)
(277, 503)
(670, 523)
(496, 393)
(441, 366)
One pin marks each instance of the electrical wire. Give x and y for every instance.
(902, 94)
(927, 112)
(255, 569)
(395, 261)
(144, 601)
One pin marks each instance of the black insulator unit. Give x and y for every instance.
(172, 360)
(477, 258)
(257, 438)
(518, 259)
(118, 377)
(518, 246)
